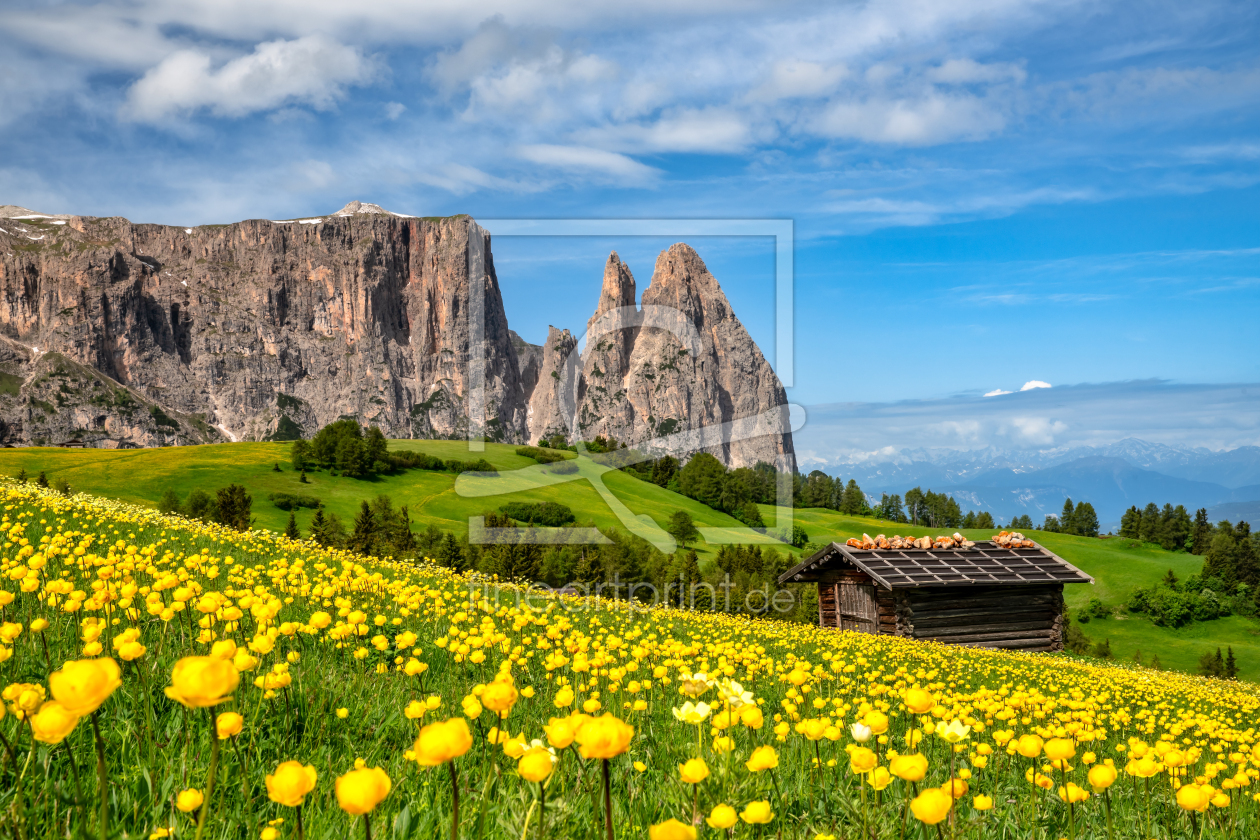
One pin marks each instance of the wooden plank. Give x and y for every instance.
(975, 638)
(973, 619)
(988, 627)
(929, 613)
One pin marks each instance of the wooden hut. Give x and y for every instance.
(984, 595)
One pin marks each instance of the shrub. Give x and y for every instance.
(548, 514)
(542, 456)
(290, 501)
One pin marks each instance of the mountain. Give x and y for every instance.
(121, 334)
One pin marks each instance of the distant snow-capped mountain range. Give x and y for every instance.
(1011, 482)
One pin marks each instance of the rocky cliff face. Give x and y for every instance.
(122, 334)
(684, 371)
(257, 329)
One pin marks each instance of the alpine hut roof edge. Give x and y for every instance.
(986, 564)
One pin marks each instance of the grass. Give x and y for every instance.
(141, 475)
(342, 657)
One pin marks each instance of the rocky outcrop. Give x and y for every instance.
(690, 374)
(553, 398)
(122, 334)
(263, 329)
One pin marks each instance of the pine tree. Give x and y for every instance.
(365, 537)
(291, 530)
(1131, 523)
(1085, 520)
(1231, 665)
(1137, 656)
(1155, 663)
(853, 501)
(276, 467)
(42, 481)
(21, 476)
(233, 505)
(1150, 524)
(1067, 519)
(984, 520)
(302, 478)
(449, 553)
(319, 528)
(1201, 536)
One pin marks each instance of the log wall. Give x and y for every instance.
(1011, 617)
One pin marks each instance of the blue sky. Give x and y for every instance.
(984, 192)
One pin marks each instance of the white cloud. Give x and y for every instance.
(798, 79)
(1037, 430)
(313, 70)
(997, 392)
(917, 121)
(394, 110)
(965, 71)
(716, 130)
(586, 159)
(1033, 384)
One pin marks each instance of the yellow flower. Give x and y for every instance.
(862, 760)
(877, 721)
(202, 681)
(343, 713)
(757, 813)
(1029, 746)
(909, 768)
(1059, 749)
(1073, 793)
(954, 732)
(269, 833)
(981, 802)
(52, 723)
(561, 731)
(931, 806)
(721, 817)
(751, 716)
(671, 829)
(692, 712)
(290, 783)
(879, 778)
(228, 725)
(604, 737)
(360, 791)
(441, 742)
(536, 764)
(1101, 777)
(189, 800)
(499, 697)
(1193, 798)
(763, 758)
(1143, 768)
(919, 701)
(83, 685)
(694, 771)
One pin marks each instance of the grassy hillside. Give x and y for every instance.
(141, 476)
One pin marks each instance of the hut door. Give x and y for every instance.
(856, 607)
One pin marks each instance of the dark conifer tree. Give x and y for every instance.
(291, 530)
(1067, 519)
(366, 535)
(1201, 536)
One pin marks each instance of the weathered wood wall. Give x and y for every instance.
(1011, 617)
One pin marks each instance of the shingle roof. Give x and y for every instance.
(985, 564)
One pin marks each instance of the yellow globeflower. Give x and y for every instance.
(290, 783)
(692, 712)
(361, 790)
(1029, 746)
(757, 813)
(604, 737)
(561, 731)
(879, 778)
(1073, 793)
(909, 768)
(919, 701)
(877, 721)
(931, 806)
(671, 829)
(441, 742)
(954, 732)
(981, 802)
(721, 817)
(1059, 749)
(763, 758)
(189, 800)
(536, 764)
(202, 681)
(52, 723)
(1101, 777)
(862, 760)
(1193, 798)
(499, 697)
(228, 725)
(694, 771)
(83, 685)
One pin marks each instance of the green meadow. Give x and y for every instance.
(142, 475)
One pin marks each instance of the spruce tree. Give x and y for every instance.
(1131, 523)
(1201, 536)
(1231, 665)
(1155, 663)
(1067, 519)
(291, 530)
(365, 537)
(21, 476)
(319, 528)
(1150, 524)
(302, 478)
(42, 481)
(1085, 520)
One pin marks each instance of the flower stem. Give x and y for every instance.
(100, 775)
(367, 826)
(542, 807)
(214, 766)
(607, 802)
(454, 800)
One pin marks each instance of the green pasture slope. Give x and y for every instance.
(1118, 566)
(142, 475)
